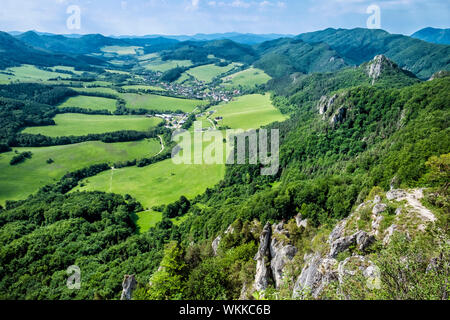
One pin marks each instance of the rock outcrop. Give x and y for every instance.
(262, 258)
(280, 253)
(215, 244)
(376, 67)
(129, 285)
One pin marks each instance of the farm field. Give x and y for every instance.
(162, 103)
(160, 183)
(142, 87)
(88, 102)
(95, 89)
(121, 51)
(157, 64)
(208, 72)
(70, 124)
(247, 78)
(29, 73)
(248, 112)
(19, 181)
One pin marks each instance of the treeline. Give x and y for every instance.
(38, 140)
(21, 157)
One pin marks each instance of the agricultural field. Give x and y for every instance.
(19, 181)
(247, 78)
(162, 103)
(142, 87)
(160, 183)
(95, 89)
(70, 124)
(208, 72)
(157, 64)
(248, 112)
(71, 69)
(29, 73)
(88, 102)
(121, 51)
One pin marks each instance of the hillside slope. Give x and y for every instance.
(439, 36)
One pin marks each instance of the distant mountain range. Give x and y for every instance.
(440, 36)
(322, 51)
(244, 38)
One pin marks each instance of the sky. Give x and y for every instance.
(187, 17)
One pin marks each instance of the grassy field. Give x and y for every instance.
(156, 102)
(208, 72)
(248, 112)
(122, 51)
(70, 124)
(156, 64)
(87, 102)
(161, 183)
(17, 182)
(29, 73)
(96, 89)
(142, 87)
(247, 78)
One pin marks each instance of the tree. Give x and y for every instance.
(439, 171)
(168, 282)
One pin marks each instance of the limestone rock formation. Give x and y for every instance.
(280, 254)
(129, 285)
(262, 260)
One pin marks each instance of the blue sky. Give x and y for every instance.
(140, 17)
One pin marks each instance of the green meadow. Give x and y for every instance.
(247, 78)
(142, 87)
(88, 102)
(29, 73)
(208, 72)
(19, 181)
(95, 89)
(162, 103)
(160, 183)
(248, 112)
(70, 124)
(121, 51)
(157, 64)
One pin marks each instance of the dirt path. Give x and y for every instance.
(413, 199)
(163, 147)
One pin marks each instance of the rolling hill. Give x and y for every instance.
(439, 36)
(360, 45)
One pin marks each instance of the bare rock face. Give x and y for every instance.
(326, 103)
(396, 194)
(215, 244)
(262, 259)
(376, 67)
(379, 208)
(316, 274)
(362, 239)
(300, 222)
(339, 116)
(280, 254)
(129, 285)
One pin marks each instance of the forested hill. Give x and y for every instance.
(360, 45)
(14, 52)
(440, 36)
